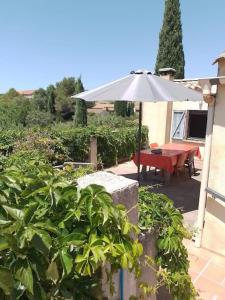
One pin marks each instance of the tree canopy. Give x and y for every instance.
(80, 117)
(170, 52)
(63, 103)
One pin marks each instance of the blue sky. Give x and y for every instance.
(43, 41)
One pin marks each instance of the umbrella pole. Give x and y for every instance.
(139, 141)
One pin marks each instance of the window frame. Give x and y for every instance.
(185, 120)
(201, 112)
(186, 126)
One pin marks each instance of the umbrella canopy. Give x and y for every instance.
(141, 86)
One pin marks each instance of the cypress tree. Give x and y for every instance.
(170, 52)
(51, 95)
(120, 108)
(130, 109)
(80, 117)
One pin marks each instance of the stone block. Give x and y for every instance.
(123, 191)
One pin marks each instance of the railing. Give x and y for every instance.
(215, 194)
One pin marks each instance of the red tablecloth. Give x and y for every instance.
(186, 147)
(168, 159)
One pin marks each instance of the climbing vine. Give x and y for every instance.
(158, 214)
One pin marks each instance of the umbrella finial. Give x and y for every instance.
(139, 72)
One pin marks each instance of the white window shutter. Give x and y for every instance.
(178, 125)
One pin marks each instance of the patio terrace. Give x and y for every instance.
(206, 267)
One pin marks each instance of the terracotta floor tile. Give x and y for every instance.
(219, 260)
(215, 272)
(193, 274)
(209, 289)
(189, 244)
(197, 263)
(200, 252)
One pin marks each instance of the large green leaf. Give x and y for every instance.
(39, 293)
(3, 243)
(66, 261)
(89, 206)
(15, 213)
(23, 274)
(75, 238)
(39, 245)
(6, 280)
(29, 212)
(52, 272)
(45, 237)
(5, 223)
(47, 226)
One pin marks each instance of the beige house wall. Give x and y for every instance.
(158, 118)
(190, 105)
(214, 229)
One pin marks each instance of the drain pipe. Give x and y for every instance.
(208, 98)
(121, 284)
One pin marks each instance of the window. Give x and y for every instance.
(189, 124)
(178, 125)
(197, 124)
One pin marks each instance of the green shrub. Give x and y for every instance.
(114, 144)
(120, 108)
(13, 111)
(24, 158)
(76, 140)
(44, 146)
(112, 120)
(80, 116)
(158, 214)
(61, 142)
(8, 138)
(54, 240)
(37, 117)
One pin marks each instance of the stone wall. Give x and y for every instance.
(124, 191)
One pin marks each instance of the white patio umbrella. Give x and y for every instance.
(141, 86)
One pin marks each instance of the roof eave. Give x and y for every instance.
(218, 59)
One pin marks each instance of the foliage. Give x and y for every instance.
(120, 108)
(63, 102)
(158, 214)
(38, 117)
(42, 145)
(112, 120)
(80, 117)
(13, 111)
(54, 239)
(40, 100)
(11, 93)
(51, 95)
(64, 107)
(62, 141)
(130, 109)
(8, 139)
(66, 86)
(73, 174)
(54, 102)
(124, 108)
(90, 104)
(170, 52)
(113, 144)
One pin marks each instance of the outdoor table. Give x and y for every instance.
(186, 147)
(167, 160)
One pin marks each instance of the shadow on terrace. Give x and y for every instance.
(184, 192)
